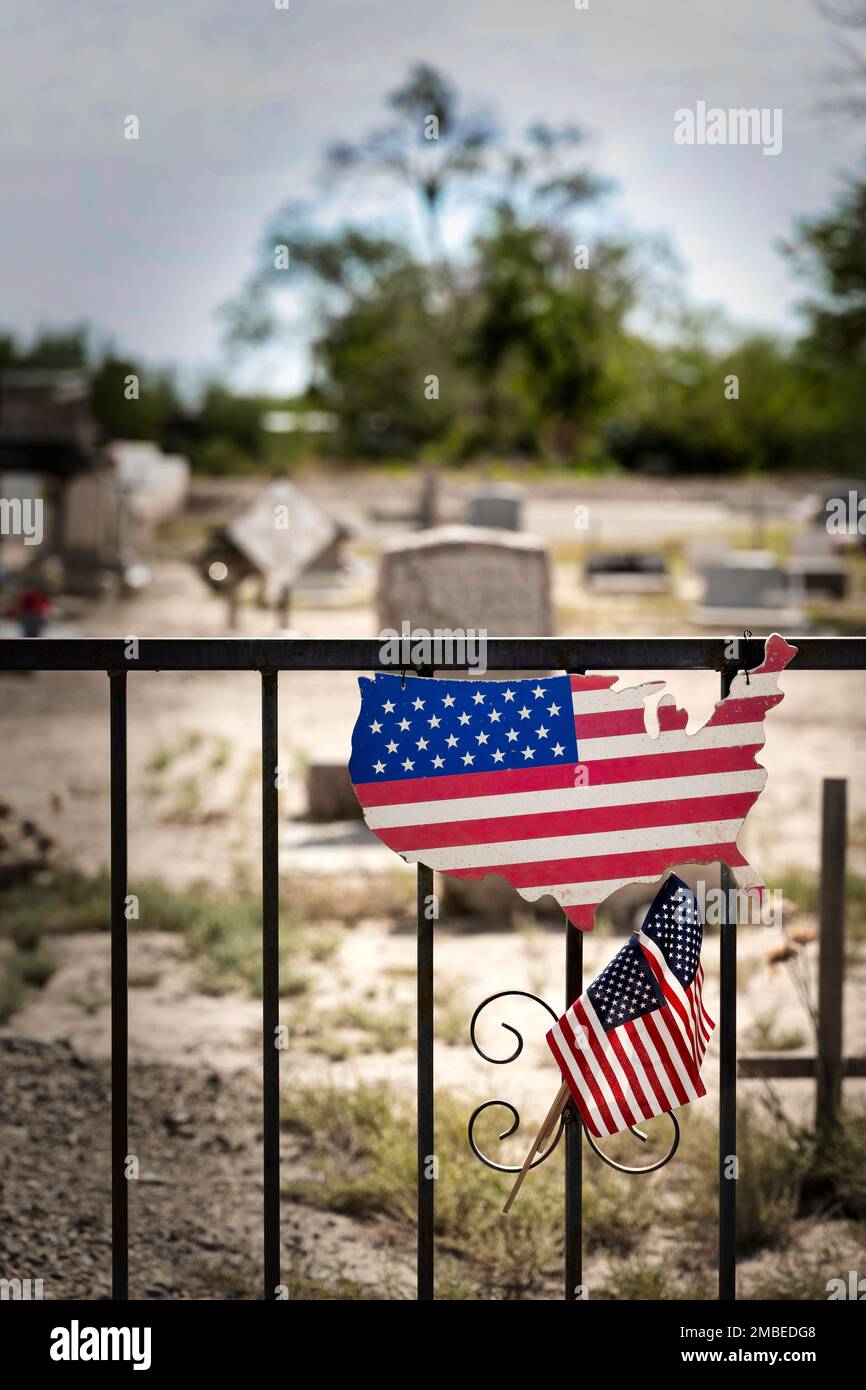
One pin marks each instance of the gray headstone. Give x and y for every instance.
(751, 578)
(460, 577)
(749, 588)
(499, 507)
(630, 572)
(91, 539)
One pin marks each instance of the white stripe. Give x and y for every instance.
(615, 1064)
(658, 1066)
(594, 1064)
(574, 1071)
(665, 1022)
(611, 701)
(765, 684)
(586, 798)
(675, 741)
(538, 851)
(688, 1031)
(653, 949)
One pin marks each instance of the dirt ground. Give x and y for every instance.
(194, 818)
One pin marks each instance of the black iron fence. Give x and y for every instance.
(269, 657)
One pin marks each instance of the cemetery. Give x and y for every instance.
(432, 640)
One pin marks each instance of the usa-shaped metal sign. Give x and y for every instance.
(556, 784)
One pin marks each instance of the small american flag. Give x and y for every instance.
(632, 1045)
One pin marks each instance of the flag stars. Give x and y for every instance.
(388, 707)
(538, 692)
(498, 755)
(448, 701)
(438, 762)
(552, 710)
(434, 721)
(511, 735)
(375, 727)
(408, 764)
(478, 698)
(528, 752)
(418, 703)
(392, 747)
(558, 750)
(463, 718)
(541, 732)
(421, 743)
(379, 767)
(508, 695)
(404, 724)
(494, 716)
(481, 738)
(468, 758)
(524, 713)
(451, 741)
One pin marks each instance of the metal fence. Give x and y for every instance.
(270, 656)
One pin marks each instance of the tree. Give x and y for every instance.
(831, 252)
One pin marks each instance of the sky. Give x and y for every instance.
(237, 99)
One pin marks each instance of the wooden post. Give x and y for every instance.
(832, 952)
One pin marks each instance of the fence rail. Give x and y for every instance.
(120, 657)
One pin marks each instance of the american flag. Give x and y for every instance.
(555, 783)
(632, 1045)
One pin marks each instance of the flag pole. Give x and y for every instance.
(547, 1126)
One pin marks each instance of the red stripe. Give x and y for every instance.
(695, 762)
(609, 723)
(648, 1065)
(585, 1070)
(674, 1002)
(459, 784)
(581, 683)
(646, 1108)
(695, 1031)
(750, 709)
(667, 1061)
(600, 1052)
(572, 1086)
(534, 825)
(640, 863)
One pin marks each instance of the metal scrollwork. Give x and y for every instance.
(638, 1134)
(506, 1104)
(568, 1114)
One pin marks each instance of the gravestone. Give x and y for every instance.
(463, 577)
(155, 484)
(498, 506)
(92, 532)
(281, 534)
(819, 576)
(330, 794)
(750, 589)
(632, 572)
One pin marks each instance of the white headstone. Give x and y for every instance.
(282, 533)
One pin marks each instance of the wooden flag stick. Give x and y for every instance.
(550, 1120)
